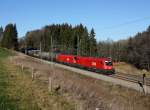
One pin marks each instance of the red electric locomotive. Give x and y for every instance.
(103, 65)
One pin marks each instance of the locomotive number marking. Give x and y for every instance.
(68, 59)
(74, 61)
(93, 63)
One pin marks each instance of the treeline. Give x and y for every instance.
(9, 37)
(77, 40)
(115, 50)
(138, 49)
(64, 38)
(135, 50)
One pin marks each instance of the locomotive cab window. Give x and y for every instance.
(75, 58)
(108, 63)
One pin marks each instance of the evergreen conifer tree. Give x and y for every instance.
(10, 39)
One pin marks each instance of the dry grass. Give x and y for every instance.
(19, 92)
(35, 94)
(129, 69)
(87, 92)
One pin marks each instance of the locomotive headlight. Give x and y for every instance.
(108, 63)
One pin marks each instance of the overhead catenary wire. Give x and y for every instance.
(125, 23)
(115, 29)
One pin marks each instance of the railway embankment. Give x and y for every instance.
(89, 92)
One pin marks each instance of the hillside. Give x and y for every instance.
(19, 92)
(88, 93)
(69, 91)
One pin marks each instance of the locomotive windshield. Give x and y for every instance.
(108, 63)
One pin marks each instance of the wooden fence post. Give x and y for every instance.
(97, 109)
(144, 83)
(50, 84)
(22, 67)
(32, 73)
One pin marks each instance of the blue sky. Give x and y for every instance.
(114, 19)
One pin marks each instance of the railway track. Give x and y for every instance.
(132, 78)
(125, 80)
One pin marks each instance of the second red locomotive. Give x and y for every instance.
(103, 65)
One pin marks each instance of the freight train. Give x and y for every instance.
(96, 64)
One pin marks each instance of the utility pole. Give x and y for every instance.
(78, 45)
(90, 47)
(51, 48)
(52, 68)
(119, 52)
(40, 50)
(52, 56)
(26, 47)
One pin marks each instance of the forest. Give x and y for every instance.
(78, 40)
(63, 38)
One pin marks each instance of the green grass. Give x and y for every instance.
(4, 53)
(6, 103)
(19, 92)
(10, 92)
